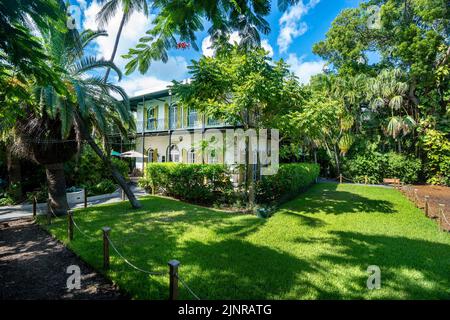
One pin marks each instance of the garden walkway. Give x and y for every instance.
(8, 213)
(33, 265)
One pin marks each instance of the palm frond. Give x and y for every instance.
(90, 63)
(107, 12)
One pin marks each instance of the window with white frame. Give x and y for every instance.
(173, 116)
(191, 156)
(174, 154)
(152, 121)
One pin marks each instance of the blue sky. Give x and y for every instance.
(293, 34)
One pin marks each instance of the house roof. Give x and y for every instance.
(134, 101)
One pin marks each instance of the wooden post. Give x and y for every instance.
(49, 212)
(122, 195)
(427, 205)
(173, 279)
(85, 197)
(70, 225)
(106, 231)
(441, 216)
(34, 207)
(340, 178)
(365, 179)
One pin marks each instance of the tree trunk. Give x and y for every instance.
(249, 181)
(115, 173)
(336, 159)
(116, 44)
(57, 188)
(14, 173)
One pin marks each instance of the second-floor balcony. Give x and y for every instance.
(175, 119)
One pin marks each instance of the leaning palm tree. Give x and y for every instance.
(109, 9)
(52, 129)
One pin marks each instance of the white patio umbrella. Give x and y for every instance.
(132, 154)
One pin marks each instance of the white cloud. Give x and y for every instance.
(304, 70)
(234, 37)
(141, 84)
(266, 46)
(159, 73)
(291, 25)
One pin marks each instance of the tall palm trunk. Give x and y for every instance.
(115, 173)
(116, 44)
(57, 188)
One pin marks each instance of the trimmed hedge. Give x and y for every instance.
(199, 183)
(288, 182)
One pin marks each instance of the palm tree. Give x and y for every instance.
(109, 9)
(388, 91)
(52, 129)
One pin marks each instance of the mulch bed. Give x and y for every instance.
(33, 265)
(438, 195)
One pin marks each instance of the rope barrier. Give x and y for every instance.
(187, 287)
(78, 228)
(152, 273)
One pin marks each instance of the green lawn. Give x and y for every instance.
(316, 247)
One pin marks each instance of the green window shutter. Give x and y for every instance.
(185, 116)
(156, 117)
(178, 117)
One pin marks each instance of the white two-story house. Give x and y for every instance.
(163, 127)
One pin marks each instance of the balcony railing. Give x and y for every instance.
(151, 125)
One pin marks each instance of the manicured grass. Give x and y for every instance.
(318, 246)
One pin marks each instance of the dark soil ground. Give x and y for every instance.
(438, 195)
(33, 265)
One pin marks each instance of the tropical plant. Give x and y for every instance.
(21, 53)
(52, 129)
(387, 90)
(241, 87)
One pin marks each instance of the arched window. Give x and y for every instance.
(150, 155)
(191, 156)
(174, 153)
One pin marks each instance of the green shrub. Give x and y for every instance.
(405, 168)
(437, 151)
(103, 187)
(377, 166)
(91, 173)
(288, 182)
(199, 183)
(41, 194)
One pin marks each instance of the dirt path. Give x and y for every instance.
(438, 195)
(33, 265)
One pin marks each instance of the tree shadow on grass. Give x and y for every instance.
(304, 219)
(410, 268)
(238, 269)
(331, 201)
